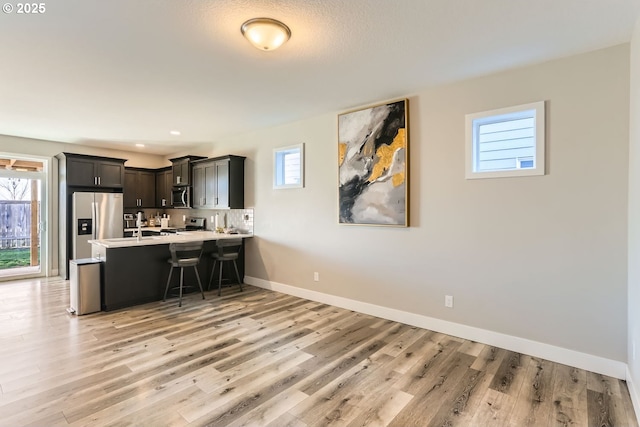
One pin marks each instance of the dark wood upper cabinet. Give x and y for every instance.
(218, 183)
(164, 184)
(181, 175)
(92, 171)
(203, 178)
(110, 174)
(181, 167)
(139, 188)
(223, 185)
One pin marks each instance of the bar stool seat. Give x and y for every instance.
(184, 255)
(227, 250)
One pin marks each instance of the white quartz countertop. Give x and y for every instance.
(181, 236)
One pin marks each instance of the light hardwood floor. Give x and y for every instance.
(267, 359)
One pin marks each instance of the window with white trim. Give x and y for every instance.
(506, 142)
(288, 167)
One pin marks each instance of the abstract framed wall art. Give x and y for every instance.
(373, 158)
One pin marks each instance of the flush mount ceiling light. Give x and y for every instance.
(265, 33)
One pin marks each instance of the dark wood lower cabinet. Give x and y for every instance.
(137, 275)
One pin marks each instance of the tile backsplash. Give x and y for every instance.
(241, 219)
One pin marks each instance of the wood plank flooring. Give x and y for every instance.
(261, 358)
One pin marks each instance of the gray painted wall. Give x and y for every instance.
(542, 258)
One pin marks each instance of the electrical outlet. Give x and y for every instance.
(448, 301)
(184, 218)
(316, 276)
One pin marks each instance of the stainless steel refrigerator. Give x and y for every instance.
(95, 216)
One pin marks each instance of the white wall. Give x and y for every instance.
(633, 347)
(542, 258)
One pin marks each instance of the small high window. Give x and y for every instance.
(288, 167)
(506, 142)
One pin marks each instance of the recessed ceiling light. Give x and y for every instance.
(140, 145)
(175, 132)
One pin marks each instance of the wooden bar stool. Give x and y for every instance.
(228, 250)
(183, 255)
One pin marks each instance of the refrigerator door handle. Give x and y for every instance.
(94, 218)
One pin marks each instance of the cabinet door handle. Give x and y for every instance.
(95, 180)
(99, 183)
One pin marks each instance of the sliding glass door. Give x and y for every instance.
(22, 242)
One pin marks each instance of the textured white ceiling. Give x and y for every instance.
(118, 72)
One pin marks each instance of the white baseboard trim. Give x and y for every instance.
(633, 392)
(565, 356)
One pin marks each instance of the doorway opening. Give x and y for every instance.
(22, 204)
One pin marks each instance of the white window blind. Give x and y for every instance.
(291, 164)
(288, 167)
(502, 143)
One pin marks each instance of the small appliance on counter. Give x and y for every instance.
(193, 223)
(129, 221)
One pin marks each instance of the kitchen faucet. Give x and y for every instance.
(139, 226)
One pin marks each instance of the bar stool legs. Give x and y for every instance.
(166, 290)
(183, 255)
(235, 266)
(199, 283)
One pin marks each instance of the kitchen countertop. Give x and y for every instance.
(181, 236)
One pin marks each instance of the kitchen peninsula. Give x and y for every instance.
(135, 271)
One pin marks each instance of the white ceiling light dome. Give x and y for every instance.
(265, 33)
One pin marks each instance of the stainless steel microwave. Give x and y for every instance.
(181, 197)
